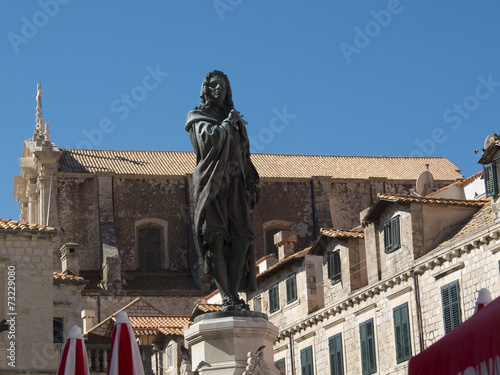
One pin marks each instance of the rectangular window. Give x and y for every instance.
(306, 361)
(280, 365)
(257, 304)
(291, 288)
(334, 269)
(274, 299)
(170, 357)
(402, 333)
(392, 239)
(452, 314)
(57, 330)
(336, 358)
(367, 341)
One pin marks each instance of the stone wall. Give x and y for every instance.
(79, 217)
(139, 199)
(28, 258)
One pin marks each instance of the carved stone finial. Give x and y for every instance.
(46, 133)
(38, 133)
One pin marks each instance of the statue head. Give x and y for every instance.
(216, 92)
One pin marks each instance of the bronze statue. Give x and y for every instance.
(225, 190)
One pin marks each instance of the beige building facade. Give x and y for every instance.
(383, 291)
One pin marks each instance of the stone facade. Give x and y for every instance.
(443, 241)
(26, 300)
(102, 203)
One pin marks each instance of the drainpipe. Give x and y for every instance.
(419, 311)
(292, 359)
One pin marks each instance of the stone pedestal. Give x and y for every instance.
(220, 343)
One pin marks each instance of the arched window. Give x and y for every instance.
(151, 236)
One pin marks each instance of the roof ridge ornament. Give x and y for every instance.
(38, 133)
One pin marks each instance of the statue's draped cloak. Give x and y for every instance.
(222, 155)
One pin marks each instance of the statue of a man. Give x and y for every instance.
(225, 190)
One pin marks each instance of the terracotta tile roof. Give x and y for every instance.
(144, 325)
(143, 316)
(430, 200)
(168, 331)
(383, 200)
(63, 278)
(283, 262)
(479, 220)
(343, 233)
(460, 183)
(209, 307)
(93, 278)
(204, 308)
(468, 180)
(22, 226)
(181, 163)
(266, 257)
(456, 183)
(136, 280)
(206, 298)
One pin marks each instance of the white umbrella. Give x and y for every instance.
(125, 356)
(74, 355)
(483, 299)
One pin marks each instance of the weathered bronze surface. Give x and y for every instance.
(225, 190)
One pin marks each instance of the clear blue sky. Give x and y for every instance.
(394, 78)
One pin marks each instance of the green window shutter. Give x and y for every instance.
(367, 341)
(280, 365)
(306, 361)
(402, 333)
(334, 267)
(392, 238)
(490, 179)
(452, 315)
(274, 302)
(291, 288)
(397, 241)
(363, 345)
(336, 358)
(405, 325)
(330, 264)
(371, 347)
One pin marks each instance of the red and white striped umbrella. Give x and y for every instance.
(483, 298)
(125, 356)
(74, 355)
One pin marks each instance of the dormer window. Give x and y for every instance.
(334, 268)
(392, 238)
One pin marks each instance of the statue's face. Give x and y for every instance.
(217, 87)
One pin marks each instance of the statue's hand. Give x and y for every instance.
(234, 116)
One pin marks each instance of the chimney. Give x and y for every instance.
(285, 241)
(88, 319)
(69, 258)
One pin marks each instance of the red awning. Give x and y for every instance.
(472, 348)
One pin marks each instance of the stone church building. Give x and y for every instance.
(129, 214)
(124, 223)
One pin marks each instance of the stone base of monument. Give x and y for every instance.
(232, 343)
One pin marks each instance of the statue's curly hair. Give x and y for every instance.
(207, 104)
